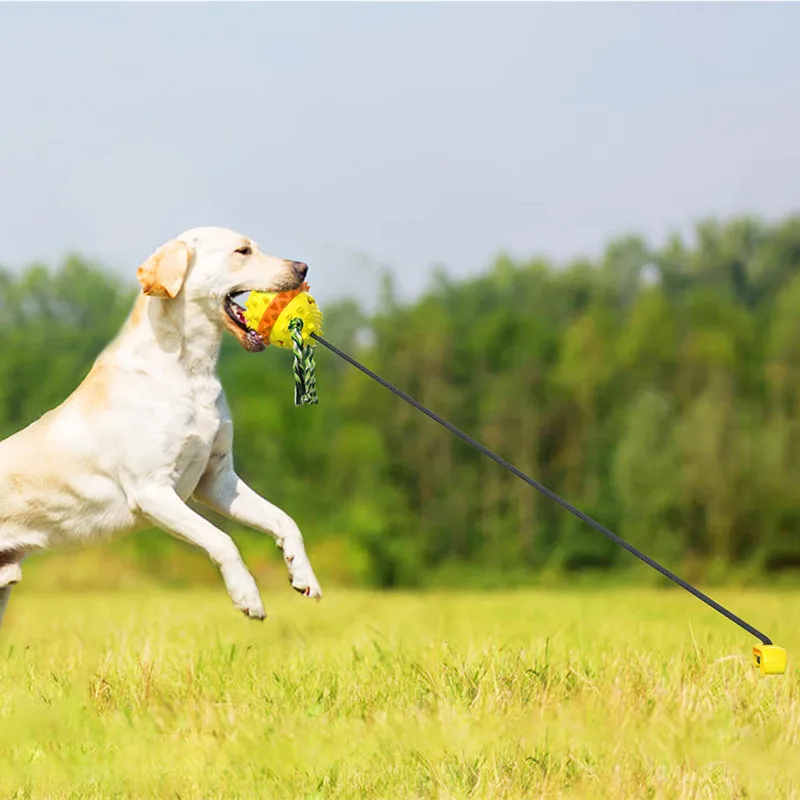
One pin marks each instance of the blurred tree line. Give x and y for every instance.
(656, 389)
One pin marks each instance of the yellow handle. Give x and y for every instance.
(770, 659)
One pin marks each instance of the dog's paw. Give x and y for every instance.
(258, 614)
(248, 600)
(305, 582)
(301, 575)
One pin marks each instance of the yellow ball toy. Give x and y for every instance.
(287, 319)
(269, 313)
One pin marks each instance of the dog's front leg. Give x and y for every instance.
(226, 493)
(10, 573)
(165, 509)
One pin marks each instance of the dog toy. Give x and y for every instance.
(287, 319)
(292, 319)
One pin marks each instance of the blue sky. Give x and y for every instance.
(398, 135)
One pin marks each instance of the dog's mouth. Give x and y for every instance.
(235, 307)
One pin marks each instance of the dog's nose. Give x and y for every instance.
(300, 269)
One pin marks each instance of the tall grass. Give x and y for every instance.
(612, 693)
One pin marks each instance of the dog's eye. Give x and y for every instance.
(245, 251)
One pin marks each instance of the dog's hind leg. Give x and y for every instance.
(5, 593)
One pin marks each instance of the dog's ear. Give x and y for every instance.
(162, 275)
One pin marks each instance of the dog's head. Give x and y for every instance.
(209, 268)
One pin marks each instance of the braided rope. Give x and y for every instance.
(295, 327)
(304, 367)
(310, 376)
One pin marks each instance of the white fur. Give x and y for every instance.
(149, 428)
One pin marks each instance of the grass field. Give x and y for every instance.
(606, 693)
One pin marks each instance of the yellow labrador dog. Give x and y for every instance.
(149, 427)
